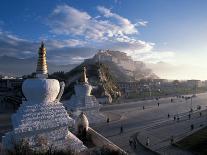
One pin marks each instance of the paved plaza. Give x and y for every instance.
(143, 119)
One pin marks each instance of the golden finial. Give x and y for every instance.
(41, 71)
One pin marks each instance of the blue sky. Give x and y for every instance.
(169, 31)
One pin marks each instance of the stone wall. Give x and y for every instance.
(101, 141)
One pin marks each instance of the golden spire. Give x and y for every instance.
(84, 78)
(41, 71)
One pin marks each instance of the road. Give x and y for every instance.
(134, 118)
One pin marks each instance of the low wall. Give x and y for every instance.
(101, 141)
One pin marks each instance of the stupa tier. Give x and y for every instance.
(42, 120)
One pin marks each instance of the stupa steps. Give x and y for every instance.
(34, 107)
(55, 130)
(49, 115)
(42, 112)
(31, 118)
(44, 121)
(39, 112)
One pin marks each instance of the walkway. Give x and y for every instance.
(160, 135)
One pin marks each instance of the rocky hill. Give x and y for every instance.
(104, 70)
(99, 77)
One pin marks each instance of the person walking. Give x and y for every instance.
(192, 127)
(168, 115)
(107, 120)
(171, 140)
(174, 117)
(130, 142)
(148, 141)
(134, 144)
(121, 129)
(189, 116)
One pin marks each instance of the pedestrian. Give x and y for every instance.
(143, 107)
(192, 126)
(147, 142)
(130, 142)
(134, 144)
(200, 114)
(158, 104)
(107, 120)
(168, 115)
(172, 140)
(174, 118)
(189, 116)
(121, 129)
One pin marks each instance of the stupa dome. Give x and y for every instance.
(83, 89)
(41, 90)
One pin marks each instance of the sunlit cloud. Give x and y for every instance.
(106, 30)
(81, 31)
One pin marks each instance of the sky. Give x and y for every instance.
(168, 35)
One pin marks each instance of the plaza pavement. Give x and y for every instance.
(160, 135)
(152, 122)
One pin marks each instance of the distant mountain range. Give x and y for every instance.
(13, 66)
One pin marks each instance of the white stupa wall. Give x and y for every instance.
(83, 90)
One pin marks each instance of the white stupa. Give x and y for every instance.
(83, 101)
(42, 120)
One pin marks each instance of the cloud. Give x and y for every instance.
(106, 30)
(125, 26)
(60, 52)
(131, 47)
(12, 45)
(65, 43)
(66, 20)
(155, 56)
(178, 71)
(142, 23)
(83, 34)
